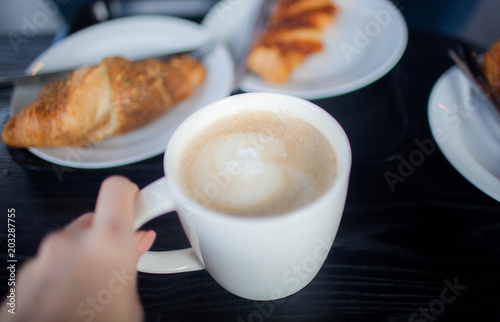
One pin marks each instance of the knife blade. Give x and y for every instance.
(260, 23)
(20, 80)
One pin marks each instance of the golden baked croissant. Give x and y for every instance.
(96, 102)
(491, 66)
(294, 31)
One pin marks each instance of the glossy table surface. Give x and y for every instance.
(426, 249)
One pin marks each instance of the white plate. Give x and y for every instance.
(131, 37)
(365, 42)
(467, 130)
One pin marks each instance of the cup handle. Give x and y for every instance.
(153, 201)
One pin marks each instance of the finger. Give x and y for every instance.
(138, 236)
(115, 204)
(82, 222)
(53, 245)
(146, 241)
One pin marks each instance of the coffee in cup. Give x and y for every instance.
(257, 163)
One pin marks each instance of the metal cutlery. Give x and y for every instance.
(467, 60)
(260, 23)
(19, 80)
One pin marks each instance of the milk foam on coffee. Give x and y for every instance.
(257, 163)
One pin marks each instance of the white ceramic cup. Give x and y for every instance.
(258, 258)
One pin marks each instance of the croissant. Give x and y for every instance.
(294, 32)
(96, 102)
(491, 66)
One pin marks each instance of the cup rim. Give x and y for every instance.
(342, 151)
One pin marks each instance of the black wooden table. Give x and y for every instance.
(422, 249)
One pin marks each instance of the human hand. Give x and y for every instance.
(87, 271)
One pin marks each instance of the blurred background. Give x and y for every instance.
(476, 21)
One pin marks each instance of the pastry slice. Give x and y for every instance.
(491, 66)
(294, 32)
(96, 102)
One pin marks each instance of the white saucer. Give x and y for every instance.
(467, 130)
(349, 60)
(131, 37)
